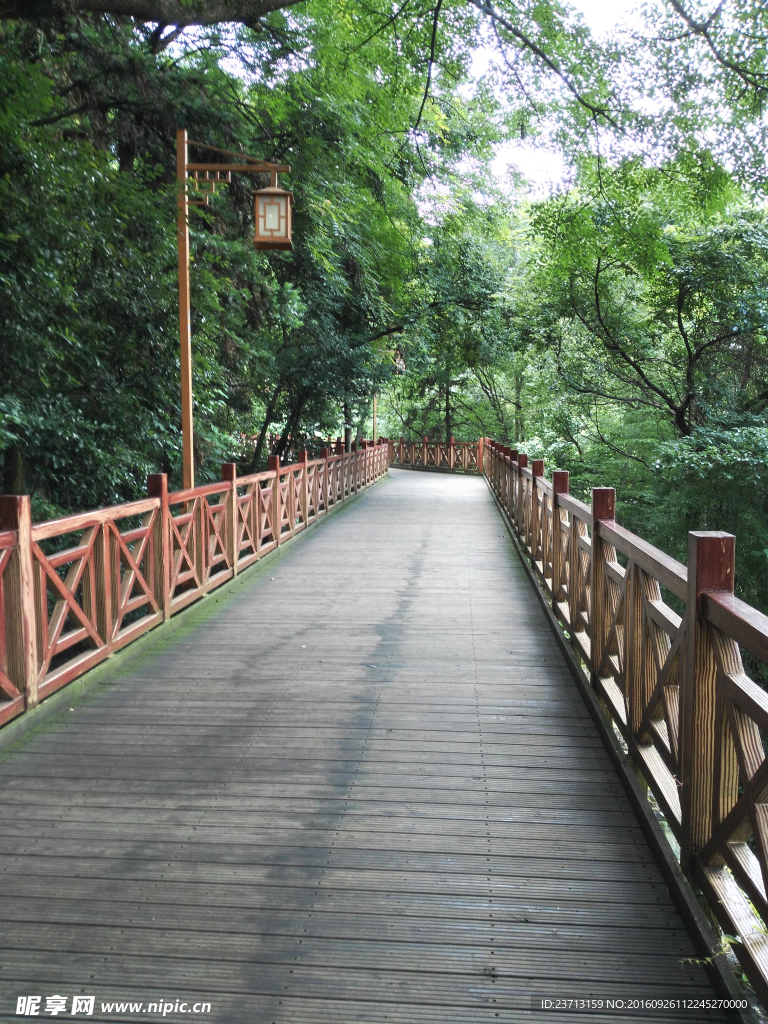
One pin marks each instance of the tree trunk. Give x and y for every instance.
(270, 411)
(14, 471)
(287, 438)
(519, 422)
(361, 422)
(347, 428)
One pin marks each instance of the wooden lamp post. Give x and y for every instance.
(273, 209)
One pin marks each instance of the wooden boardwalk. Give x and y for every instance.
(365, 789)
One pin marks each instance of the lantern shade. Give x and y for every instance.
(273, 218)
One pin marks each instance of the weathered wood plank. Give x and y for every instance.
(366, 790)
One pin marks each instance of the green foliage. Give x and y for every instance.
(293, 342)
(649, 355)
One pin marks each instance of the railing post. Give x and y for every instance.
(537, 520)
(480, 455)
(514, 482)
(522, 462)
(451, 453)
(100, 588)
(157, 487)
(303, 457)
(324, 454)
(21, 636)
(634, 681)
(603, 510)
(711, 566)
(229, 473)
(273, 462)
(560, 484)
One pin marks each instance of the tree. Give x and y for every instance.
(656, 294)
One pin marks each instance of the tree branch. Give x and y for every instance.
(432, 46)
(485, 8)
(166, 12)
(753, 79)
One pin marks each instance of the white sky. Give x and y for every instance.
(603, 15)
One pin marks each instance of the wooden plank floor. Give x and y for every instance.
(366, 789)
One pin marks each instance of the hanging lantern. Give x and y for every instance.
(273, 217)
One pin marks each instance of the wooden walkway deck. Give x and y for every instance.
(366, 789)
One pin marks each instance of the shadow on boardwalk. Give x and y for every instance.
(365, 790)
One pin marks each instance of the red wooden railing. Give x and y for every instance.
(452, 456)
(674, 685)
(75, 590)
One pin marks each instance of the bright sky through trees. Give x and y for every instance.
(545, 169)
(603, 15)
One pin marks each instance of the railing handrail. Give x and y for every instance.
(675, 687)
(96, 517)
(451, 455)
(62, 613)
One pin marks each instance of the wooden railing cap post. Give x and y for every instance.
(537, 467)
(560, 481)
(711, 563)
(603, 504)
(15, 511)
(157, 485)
(522, 460)
(229, 471)
(274, 462)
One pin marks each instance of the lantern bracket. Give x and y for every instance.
(204, 178)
